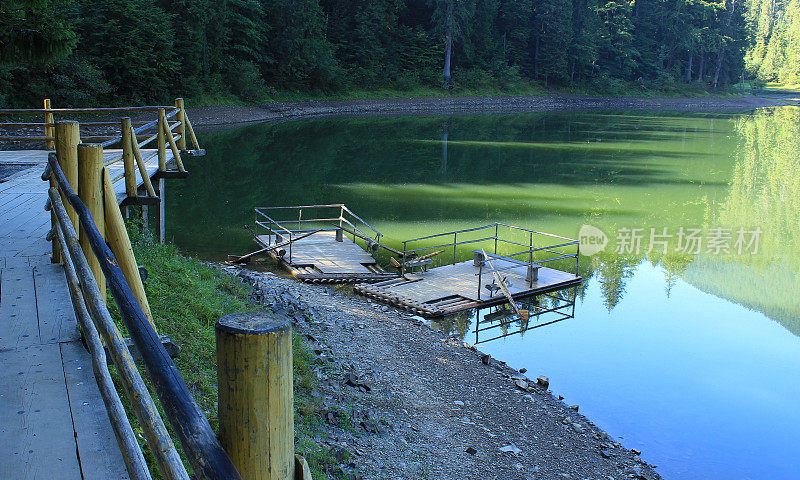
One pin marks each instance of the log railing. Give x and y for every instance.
(157, 130)
(115, 261)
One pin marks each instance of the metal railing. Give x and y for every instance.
(498, 235)
(200, 444)
(331, 218)
(561, 307)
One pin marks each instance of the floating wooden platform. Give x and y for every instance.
(452, 288)
(320, 258)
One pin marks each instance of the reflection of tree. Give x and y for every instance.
(613, 271)
(458, 322)
(765, 193)
(765, 188)
(674, 265)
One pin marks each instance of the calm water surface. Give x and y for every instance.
(692, 357)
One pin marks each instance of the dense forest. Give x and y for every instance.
(774, 55)
(115, 51)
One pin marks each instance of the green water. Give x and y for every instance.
(618, 171)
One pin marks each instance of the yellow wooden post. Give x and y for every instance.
(181, 116)
(255, 400)
(127, 158)
(68, 138)
(117, 238)
(49, 130)
(90, 190)
(162, 141)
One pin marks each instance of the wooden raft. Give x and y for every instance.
(320, 258)
(452, 288)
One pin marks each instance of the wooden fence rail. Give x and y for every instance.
(206, 455)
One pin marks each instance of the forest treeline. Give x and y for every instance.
(774, 55)
(116, 51)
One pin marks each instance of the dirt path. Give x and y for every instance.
(409, 402)
(218, 116)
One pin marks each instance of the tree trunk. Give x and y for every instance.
(701, 67)
(448, 46)
(721, 52)
(689, 69)
(720, 56)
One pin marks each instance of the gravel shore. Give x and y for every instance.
(220, 116)
(409, 402)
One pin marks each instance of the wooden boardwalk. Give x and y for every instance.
(452, 288)
(53, 422)
(320, 258)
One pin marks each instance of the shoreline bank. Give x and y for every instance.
(406, 401)
(220, 117)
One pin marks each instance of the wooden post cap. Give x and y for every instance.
(253, 323)
(255, 397)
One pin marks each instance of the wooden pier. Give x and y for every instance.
(60, 416)
(318, 247)
(462, 285)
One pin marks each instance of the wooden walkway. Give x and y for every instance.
(319, 258)
(452, 288)
(53, 422)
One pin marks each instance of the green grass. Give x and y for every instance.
(187, 297)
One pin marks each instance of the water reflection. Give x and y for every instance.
(684, 339)
(492, 323)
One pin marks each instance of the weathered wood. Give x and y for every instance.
(321, 257)
(161, 141)
(128, 201)
(181, 117)
(197, 438)
(57, 322)
(162, 211)
(19, 324)
(117, 238)
(94, 435)
(90, 191)
(48, 129)
(68, 138)
(244, 258)
(129, 446)
(301, 469)
(452, 288)
(255, 399)
(176, 154)
(36, 430)
(137, 154)
(155, 432)
(192, 136)
(127, 158)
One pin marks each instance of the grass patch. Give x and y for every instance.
(187, 297)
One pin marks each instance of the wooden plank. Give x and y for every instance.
(99, 454)
(57, 322)
(431, 290)
(35, 425)
(18, 317)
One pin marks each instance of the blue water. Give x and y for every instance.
(704, 387)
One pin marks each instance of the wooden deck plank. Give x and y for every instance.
(57, 322)
(322, 251)
(97, 446)
(442, 289)
(36, 429)
(18, 316)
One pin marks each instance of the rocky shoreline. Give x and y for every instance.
(403, 401)
(220, 117)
